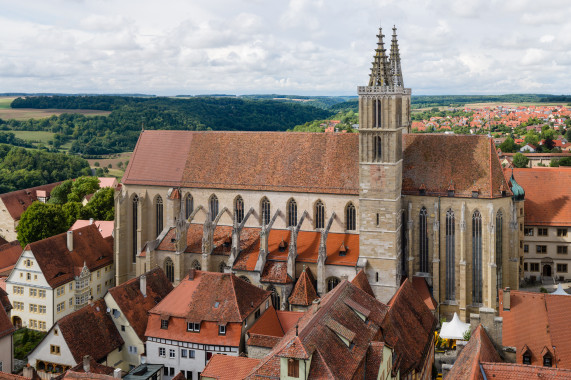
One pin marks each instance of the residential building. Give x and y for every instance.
(547, 229)
(263, 205)
(14, 203)
(535, 326)
(129, 304)
(58, 275)
(87, 331)
(145, 372)
(104, 226)
(207, 313)
(6, 338)
(222, 367)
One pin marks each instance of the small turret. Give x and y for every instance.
(396, 72)
(380, 72)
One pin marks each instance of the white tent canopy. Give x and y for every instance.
(560, 291)
(454, 329)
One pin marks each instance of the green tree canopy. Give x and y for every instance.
(102, 205)
(81, 187)
(41, 221)
(509, 146)
(520, 160)
(59, 194)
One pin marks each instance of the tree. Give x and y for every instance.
(73, 211)
(520, 161)
(102, 205)
(532, 138)
(509, 146)
(59, 194)
(81, 187)
(40, 221)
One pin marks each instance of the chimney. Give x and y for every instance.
(191, 274)
(117, 373)
(143, 284)
(506, 299)
(70, 241)
(86, 367)
(90, 221)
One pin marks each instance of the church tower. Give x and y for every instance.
(384, 115)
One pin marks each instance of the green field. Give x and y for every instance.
(34, 136)
(5, 102)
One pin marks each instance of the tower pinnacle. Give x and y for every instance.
(380, 72)
(396, 72)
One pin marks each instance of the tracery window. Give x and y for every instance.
(423, 240)
(265, 211)
(169, 269)
(196, 265)
(276, 301)
(499, 252)
(476, 257)
(188, 205)
(134, 226)
(213, 204)
(332, 282)
(350, 221)
(239, 209)
(159, 215)
(450, 256)
(319, 215)
(291, 213)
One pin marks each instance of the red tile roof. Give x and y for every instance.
(9, 255)
(547, 195)
(134, 305)
(304, 292)
(211, 298)
(318, 335)
(94, 368)
(223, 367)
(537, 320)
(104, 226)
(90, 331)
(408, 327)
(436, 161)
(421, 287)
(59, 266)
(479, 349)
(179, 376)
(275, 272)
(510, 371)
(272, 325)
(6, 326)
(5, 301)
(18, 201)
(362, 283)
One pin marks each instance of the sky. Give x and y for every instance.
(302, 47)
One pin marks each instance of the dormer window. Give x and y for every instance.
(474, 194)
(526, 358)
(450, 193)
(343, 250)
(293, 368)
(547, 360)
(222, 330)
(283, 246)
(164, 324)
(192, 326)
(422, 190)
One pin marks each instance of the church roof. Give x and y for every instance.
(304, 292)
(326, 163)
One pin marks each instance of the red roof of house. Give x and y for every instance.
(272, 325)
(9, 255)
(223, 367)
(479, 349)
(547, 195)
(304, 292)
(134, 305)
(105, 227)
(211, 298)
(18, 201)
(537, 321)
(421, 287)
(59, 265)
(90, 331)
(362, 283)
(510, 371)
(6, 326)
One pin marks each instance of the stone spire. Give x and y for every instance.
(395, 61)
(380, 72)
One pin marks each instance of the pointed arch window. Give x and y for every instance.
(188, 205)
(499, 243)
(291, 213)
(265, 211)
(319, 215)
(423, 239)
(332, 282)
(159, 214)
(169, 269)
(476, 257)
(213, 206)
(135, 226)
(450, 256)
(350, 217)
(276, 300)
(239, 209)
(378, 149)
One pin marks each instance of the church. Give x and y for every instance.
(269, 206)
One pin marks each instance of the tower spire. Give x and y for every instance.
(380, 71)
(395, 61)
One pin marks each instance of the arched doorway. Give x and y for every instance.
(17, 322)
(546, 270)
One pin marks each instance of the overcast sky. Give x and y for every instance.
(307, 47)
